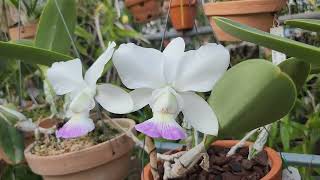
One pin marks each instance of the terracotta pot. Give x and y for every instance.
(29, 138)
(182, 14)
(255, 13)
(274, 160)
(144, 10)
(108, 160)
(26, 32)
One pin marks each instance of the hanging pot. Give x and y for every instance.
(275, 161)
(26, 32)
(144, 11)
(107, 160)
(183, 13)
(255, 13)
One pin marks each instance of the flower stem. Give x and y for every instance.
(152, 151)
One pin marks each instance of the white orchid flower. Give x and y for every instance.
(66, 77)
(168, 80)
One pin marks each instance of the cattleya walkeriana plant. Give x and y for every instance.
(66, 78)
(168, 80)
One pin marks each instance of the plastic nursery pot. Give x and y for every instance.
(26, 32)
(144, 11)
(255, 13)
(182, 14)
(29, 138)
(274, 161)
(107, 160)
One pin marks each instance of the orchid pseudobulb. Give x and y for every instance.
(168, 80)
(66, 78)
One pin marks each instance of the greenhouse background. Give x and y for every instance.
(69, 61)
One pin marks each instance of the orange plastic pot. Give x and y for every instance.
(26, 32)
(182, 14)
(274, 161)
(144, 10)
(255, 13)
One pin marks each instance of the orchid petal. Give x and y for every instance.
(167, 129)
(114, 99)
(201, 69)
(173, 53)
(79, 125)
(141, 97)
(165, 93)
(139, 67)
(199, 114)
(83, 101)
(66, 76)
(95, 71)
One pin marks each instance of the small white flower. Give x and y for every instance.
(66, 77)
(168, 81)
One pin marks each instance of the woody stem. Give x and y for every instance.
(152, 151)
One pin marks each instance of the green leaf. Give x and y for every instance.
(11, 141)
(313, 122)
(273, 135)
(297, 70)
(315, 70)
(290, 47)
(81, 32)
(52, 33)
(11, 115)
(26, 42)
(31, 55)
(307, 24)
(19, 172)
(251, 94)
(285, 136)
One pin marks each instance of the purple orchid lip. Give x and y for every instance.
(162, 129)
(71, 132)
(75, 128)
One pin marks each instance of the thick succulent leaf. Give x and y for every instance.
(290, 47)
(11, 142)
(251, 94)
(30, 54)
(307, 24)
(297, 70)
(52, 33)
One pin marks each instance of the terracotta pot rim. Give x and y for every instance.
(27, 151)
(273, 157)
(130, 3)
(243, 7)
(185, 3)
